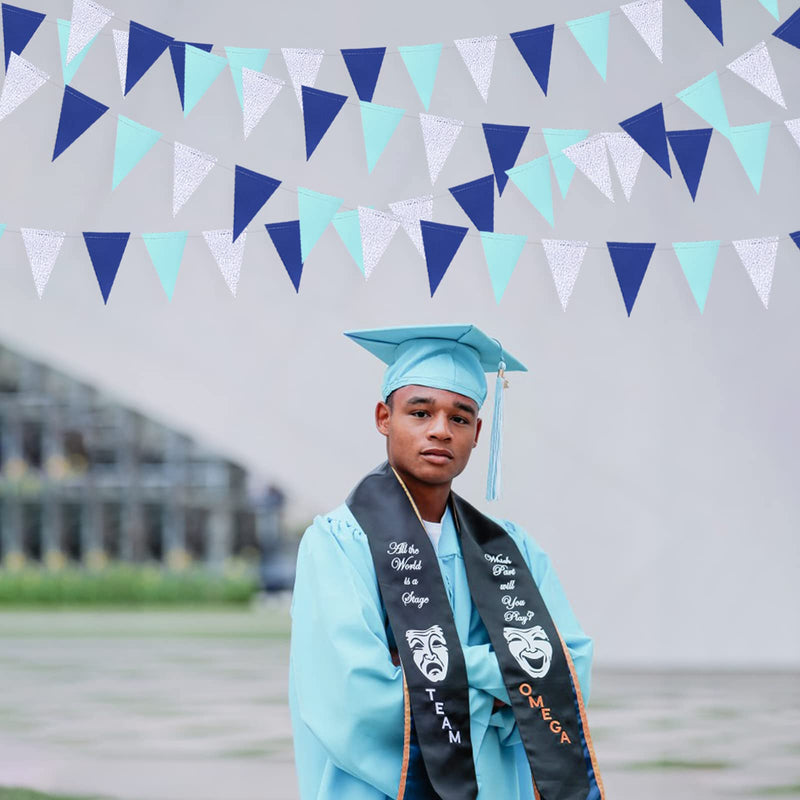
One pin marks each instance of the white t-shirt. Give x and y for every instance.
(434, 530)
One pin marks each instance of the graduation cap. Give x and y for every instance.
(450, 357)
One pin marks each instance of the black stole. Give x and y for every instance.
(534, 661)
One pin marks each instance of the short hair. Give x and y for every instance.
(390, 400)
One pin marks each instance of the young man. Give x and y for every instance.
(434, 654)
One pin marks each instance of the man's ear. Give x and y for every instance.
(478, 425)
(382, 414)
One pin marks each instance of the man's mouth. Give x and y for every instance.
(437, 456)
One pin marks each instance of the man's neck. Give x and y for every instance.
(430, 499)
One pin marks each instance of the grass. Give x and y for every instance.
(10, 793)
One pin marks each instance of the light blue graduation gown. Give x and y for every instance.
(346, 696)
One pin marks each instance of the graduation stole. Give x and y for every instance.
(535, 663)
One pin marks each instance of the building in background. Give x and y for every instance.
(85, 479)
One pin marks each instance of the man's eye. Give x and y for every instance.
(419, 413)
(461, 420)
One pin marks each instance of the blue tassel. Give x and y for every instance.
(494, 478)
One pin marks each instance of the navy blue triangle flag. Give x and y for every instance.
(19, 25)
(286, 238)
(789, 31)
(796, 237)
(177, 52)
(504, 143)
(441, 243)
(536, 46)
(78, 114)
(105, 251)
(144, 47)
(690, 149)
(364, 65)
(250, 191)
(319, 111)
(648, 131)
(477, 200)
(630, 260)
(710, 12)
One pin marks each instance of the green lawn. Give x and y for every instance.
(10, 793)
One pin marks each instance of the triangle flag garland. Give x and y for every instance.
(591, 158)
(705, 98)
(228, 254)
(592, 35)
(504, 143)
(422, 63)
(22, 80)
(286, 239)
(88, 19)
(502, 251)
(556, 140)
(190, 169)
(105, 252)
(750, 144)
(252, 58)
(630, 260)
(377, 230)
(758, 257)
(647, 17)
(441, 244)
(2, 229)
(303, 66)
(145, 45)
(251, 190)
(533, 180)
(439, 135)
(364, 65)
(627, 157)
(536, 47)
(789, 32)
(565, 259)
(19, 25)
(690, 149)
(697, 261)
(795, 237)
(755, 67)
(177, 54)
(166, 253)
(349, 229)
(476, 198)
(410, 212)
(68, 70)
(202, 69)
(378, 124)
(710, 13)
(772, 7)
(78, 113)
(42, 248)
(133, 143)
(478, 54)
(793, 126)
(121, 51)
(258, 92)
(319, 111)
(316, 210)
(648, 131)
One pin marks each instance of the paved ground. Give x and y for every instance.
(191, 706)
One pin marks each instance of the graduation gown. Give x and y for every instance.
(346, 695)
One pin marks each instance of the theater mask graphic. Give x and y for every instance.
(429, 651)
(531, 648)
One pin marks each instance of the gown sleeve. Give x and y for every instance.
(349, 694)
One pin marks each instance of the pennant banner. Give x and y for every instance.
(647, 17)
(251, 190)
(648, 131)
(564, 258)
(19, 25)
(422, 64)
(348, 227)
(88, 19)
(705, 98)
(591, 158)
(240, 58)
(758, 257)
(42, 248)
(627, 157)
(286, 238)
(228, 253)
(502, 251)
(105, 252)
(303, 66)
(133, 143)
(690, 149)
(592, 35)
(630, 260)
(377, 230)
(410, 213)
(536, 47)
(378, 123)
(441, 243)
(476, 198)
(697, 261)
(439, 135)
(504, 143)
(533, 180)
(22, 80)
(750, 144)
(190, 169)
(166, 253)
(478, 55)
(755, 67)
(710, 12)
(364, 66)
(177, 53)
(78, 113)
(258, 92)
(145, 45)
(556, 140)
(319, 111)
(121, 52)
(316, 211)
(68, 70)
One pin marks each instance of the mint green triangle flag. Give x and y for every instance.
(250, 57)
(697, 260)
(592, 35)
(502, 251)
(69, 70)
(349, 229)
(705, 99)
(750, 144)
(133, 142)
(422, 63)
(201, 71)
(533, 180)
(772, 7)
(166, 252)
(316, 211)
(2, 228)
(379, 123)
(556, 140)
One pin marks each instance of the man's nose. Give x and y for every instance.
(440, 426)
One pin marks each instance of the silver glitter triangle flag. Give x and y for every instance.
(228, 254)
(755, 67)
(88, 19)
(377, 230)
(439, 135)
(410, 212)
(793, 125)
(303, 65)
(121, 50)
(22, 80)
(591, 158)
(42, 248)
(258, 92)
(647, 16)
(190, 169)
(565, 259)
(478, 55)
(627, 157)
(758, 257)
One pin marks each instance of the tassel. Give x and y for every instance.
(494, 478)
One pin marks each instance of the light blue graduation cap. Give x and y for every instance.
(450, 357)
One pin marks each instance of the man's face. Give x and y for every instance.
(429, 433)
(429, 651)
